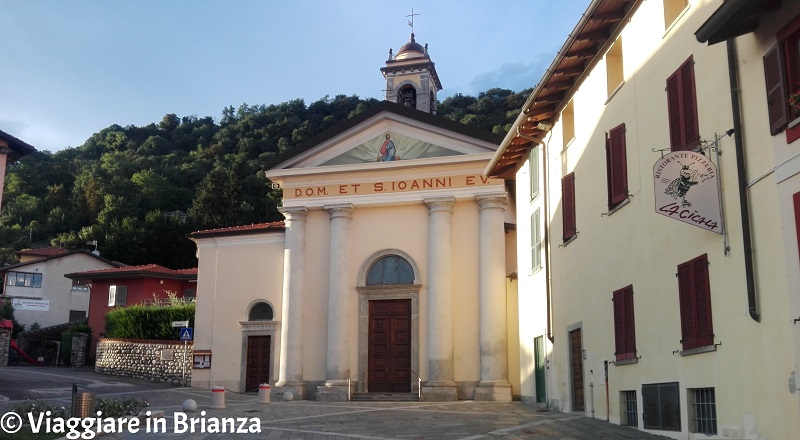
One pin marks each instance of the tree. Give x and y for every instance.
(7, 312)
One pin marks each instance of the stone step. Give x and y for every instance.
(385, 397)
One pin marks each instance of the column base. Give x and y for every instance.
(333, 393)
(298, 390)
(493, 391)
(439, 392)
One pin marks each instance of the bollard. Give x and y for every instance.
(263, 393)
(218, 397)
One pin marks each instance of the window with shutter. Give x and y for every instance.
(536, 241)
(684, 130)
(694, 293)
(777, 103)
(568, 205)
(624, 324)
(616, 166)
(533, 165)
(782, 79)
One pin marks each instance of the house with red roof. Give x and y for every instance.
(11, 150)
(38, 290)
(148, 284)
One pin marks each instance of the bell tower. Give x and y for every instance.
(411, 78)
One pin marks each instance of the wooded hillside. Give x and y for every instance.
(126, 187)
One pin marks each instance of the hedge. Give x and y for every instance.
(148, 322)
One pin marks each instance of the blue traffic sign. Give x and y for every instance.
(187, 334)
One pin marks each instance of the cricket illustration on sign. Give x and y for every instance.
(687, 178)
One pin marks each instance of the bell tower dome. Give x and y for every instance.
(411, 78)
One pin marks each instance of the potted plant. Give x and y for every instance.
(794, 104)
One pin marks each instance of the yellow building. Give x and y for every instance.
(659, 275)
(390, 273)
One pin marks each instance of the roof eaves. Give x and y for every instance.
(564, 89)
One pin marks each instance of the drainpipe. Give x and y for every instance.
(733, 74)
(546, 222)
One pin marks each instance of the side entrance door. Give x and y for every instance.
(257, 372)
(576, 360)
(538, 354)
(389, 352)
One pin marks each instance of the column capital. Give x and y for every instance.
(489, 201)
(342, 210)
(440, 204)
(295, 213)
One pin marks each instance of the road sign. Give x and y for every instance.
(187, 334)
(180, 324)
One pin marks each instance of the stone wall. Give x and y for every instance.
(157, 361)
(5, 346)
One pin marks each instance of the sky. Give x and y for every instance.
(68, 69)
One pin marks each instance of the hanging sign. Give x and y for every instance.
(686, 189)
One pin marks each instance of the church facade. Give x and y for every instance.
(392, 272)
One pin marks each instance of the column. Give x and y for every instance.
(290, 373)
(440, 385)
(494, 383)
(339, 306)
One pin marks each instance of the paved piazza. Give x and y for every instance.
(307, 419)
(384, 420)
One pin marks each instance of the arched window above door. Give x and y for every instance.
(391, 269)
(260, 312)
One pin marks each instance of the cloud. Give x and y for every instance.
(14, 128)
(513, 76)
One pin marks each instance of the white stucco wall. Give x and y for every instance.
(636, 246)
(56, 289)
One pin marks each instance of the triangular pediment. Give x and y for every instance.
(391, 147)
(390, 133)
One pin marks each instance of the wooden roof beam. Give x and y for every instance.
(557, 86)
(582, 54)
(595, 37)
(611, 16)
(568, 71)
(553, 98)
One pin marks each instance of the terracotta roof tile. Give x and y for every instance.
(43, 252)
(147, 269)
(244, 229)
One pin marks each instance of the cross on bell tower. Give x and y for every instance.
(411, 77)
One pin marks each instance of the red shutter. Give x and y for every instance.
(691, 127)
(777, 98)
(796, 198)
(686, 298)
(619, 325)
(630, 325)
(617, 167)
(684, 130)
(702, 291)
(568, 205)
(624, 327)
(694, 290)
(674, 111)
